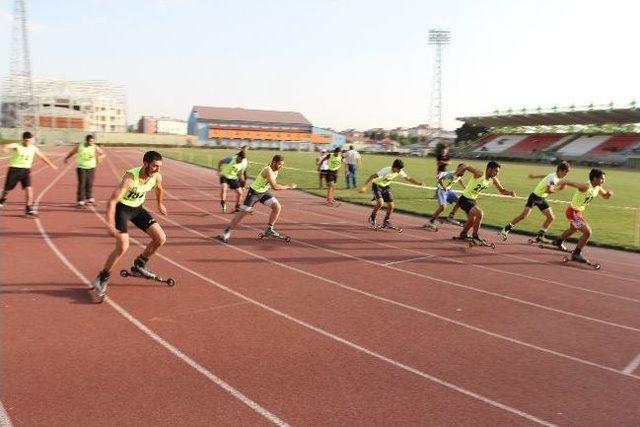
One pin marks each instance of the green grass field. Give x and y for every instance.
(615, 222)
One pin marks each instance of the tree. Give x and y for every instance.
(469, 132)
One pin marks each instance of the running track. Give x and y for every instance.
(344, 326)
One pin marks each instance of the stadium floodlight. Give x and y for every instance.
(438, 39)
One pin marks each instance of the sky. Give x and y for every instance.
(341, 63)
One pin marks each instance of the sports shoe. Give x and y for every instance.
(91, 201)
(80, 203)
(372, 220)
(387, 224)
(430, 225)
(477, 240)
(578, 257)
(140, 267)
(225, 235)
(503, 233)
(99, 284)
(31, 212)
(543, 240)
(224, 207)
(2, 201)
(452, 220)
(559, 244)
(237, 209)
(270, 232)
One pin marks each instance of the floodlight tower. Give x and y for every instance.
(18, 104)
(438, 39)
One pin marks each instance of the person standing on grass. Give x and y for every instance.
(88, 155)
(20, 163)
(259, 192)
(381, 188)
(321, 165)
(445, 195)
(125, 205)
(442, 157)
(479, 182)
(354, 161)
(538, 197)
(334, 162)
(231, 169)
(584, 194)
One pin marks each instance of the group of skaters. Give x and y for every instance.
(126, 202)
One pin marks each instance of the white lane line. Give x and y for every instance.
(203, 169)
(147, 331)
(334, 337)
(386, 300)
(408, 260)
(5, 421)
(632, 366)
(421, 238)
(470, 264)
(436, 279)
(393, 302)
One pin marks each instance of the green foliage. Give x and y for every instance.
(469, 132)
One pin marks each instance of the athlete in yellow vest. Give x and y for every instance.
(334, 162)
(584, 194)
(88, 155)
(549, 184)
(20, 162)
(381, 188)
(259, 192)
(125, 205)
(479, 182)
(231, 169)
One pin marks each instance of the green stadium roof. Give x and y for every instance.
(585, 117)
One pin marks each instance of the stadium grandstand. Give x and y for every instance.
(284, 130)
(604, 136)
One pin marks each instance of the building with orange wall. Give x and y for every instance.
(257, 128)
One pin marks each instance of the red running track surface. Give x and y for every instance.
(344, 326)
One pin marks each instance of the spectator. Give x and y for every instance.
(354, 161)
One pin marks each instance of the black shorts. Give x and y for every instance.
(234, 184)
(538, 201)
(17, 175)
(383, 193)
(466, 204)
(332, 176)
(254, 197)
(138, 215)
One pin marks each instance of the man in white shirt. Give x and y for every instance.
(354, 161)
(321, 161)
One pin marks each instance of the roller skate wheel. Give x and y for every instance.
(171, 282)
(124, 273)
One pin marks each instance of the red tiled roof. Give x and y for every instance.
(246, 115)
